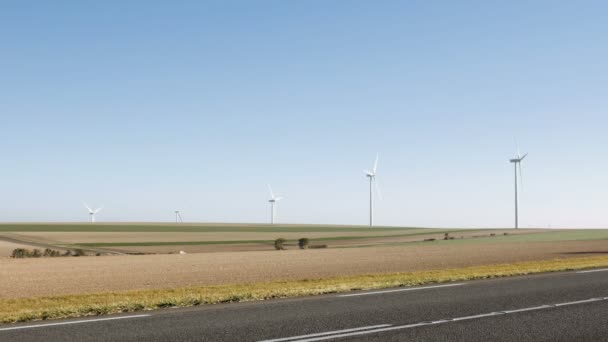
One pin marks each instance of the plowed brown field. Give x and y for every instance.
(56, 276)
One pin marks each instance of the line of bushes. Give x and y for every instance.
(303, 243)
(36, 253)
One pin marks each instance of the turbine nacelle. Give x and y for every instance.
(518, 159)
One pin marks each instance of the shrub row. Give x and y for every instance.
(36, 253)
(303, 243)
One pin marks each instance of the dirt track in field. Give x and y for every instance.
(57, 276)
(6, 247)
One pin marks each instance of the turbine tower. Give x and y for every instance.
(92, 212)
(517, 164)
(178, 217)
(372, 181)
(273, 200)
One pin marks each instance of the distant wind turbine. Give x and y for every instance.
(178, 217)
(92, 212)
(273, 201)
(517, 163)
(372, 181)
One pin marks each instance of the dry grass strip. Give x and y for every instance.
(28, 309)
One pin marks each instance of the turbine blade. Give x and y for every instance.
(98, 210)
(278, 199)
(522, 157)
(375, 164)
(271, 193)
(517, 146)
(86, 206)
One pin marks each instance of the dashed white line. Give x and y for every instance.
(327, 333)
(358, 331)
(72, 322)
(593, 271)
(398, 290)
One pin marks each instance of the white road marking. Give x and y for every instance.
(592, 271)
(399, 290)
(345, 333)
(327, 333)
(72, 322)
(528, 309)
(581, 301)
(476, 316)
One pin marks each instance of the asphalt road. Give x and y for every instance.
(570, 306)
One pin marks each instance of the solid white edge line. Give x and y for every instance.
(364, 332)
(592, 271)
(580, 302)
(541, 307)
(409, 326)
(477, 316)
(327, 333)
(72, 322)
(399, 290)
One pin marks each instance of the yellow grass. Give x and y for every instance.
(27, 309)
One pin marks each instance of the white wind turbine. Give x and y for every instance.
(273, 200)
(178, 217)
(517, 163)
(372, 181)
(92, 212)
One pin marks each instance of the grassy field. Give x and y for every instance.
(413, 233)
(184, 227)
(157, 238)
(151, 238)
(27, 309)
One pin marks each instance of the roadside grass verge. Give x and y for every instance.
(28, 309)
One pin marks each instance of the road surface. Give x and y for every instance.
(569, 306)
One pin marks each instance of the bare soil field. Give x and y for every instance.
(6, 248)
(57, 276)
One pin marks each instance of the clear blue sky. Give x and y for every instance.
(152, 106)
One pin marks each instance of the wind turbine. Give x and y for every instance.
(273, 200)
(372, 180)
(178, 217)
(92, 212)
(517, 164)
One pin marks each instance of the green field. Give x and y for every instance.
(183, 228)
(551, 236)
(235, 242)
(261, 236)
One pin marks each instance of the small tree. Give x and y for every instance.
(36, 253)
(278, 244)
(19, 253)
(79, 252)
(303, 243)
